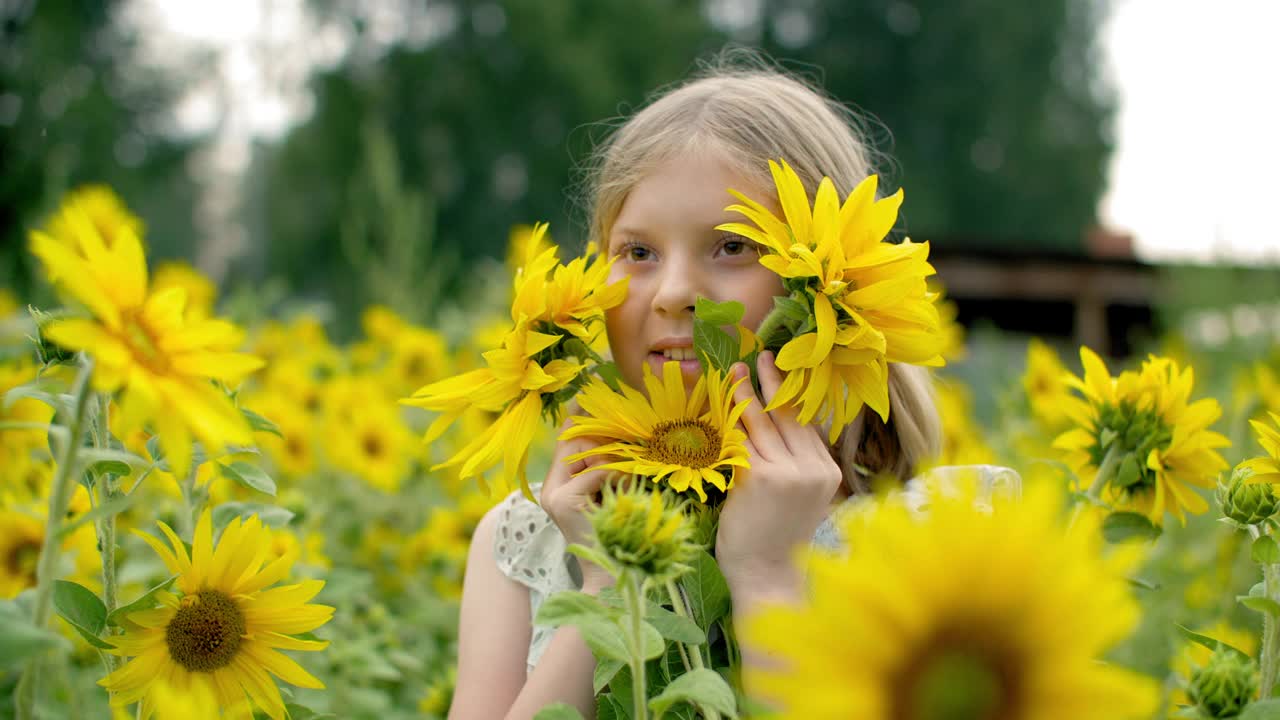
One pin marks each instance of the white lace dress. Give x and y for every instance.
(529, 548)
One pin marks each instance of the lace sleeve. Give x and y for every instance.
(528, 548)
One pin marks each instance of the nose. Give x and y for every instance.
(679, 286)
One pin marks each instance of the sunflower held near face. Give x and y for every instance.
(1139, 440)
(957, 612)
(161, 362)
(557, 313)
(1266, 468)
(685, 442)
(223, 629)
(855, 303)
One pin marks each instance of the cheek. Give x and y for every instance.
(756, 292)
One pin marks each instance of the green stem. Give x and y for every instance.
(59, 497)
(635, 610)
(678, 603)
(1268, 661)
(1106, 471)
(107, 526)
(770, 325)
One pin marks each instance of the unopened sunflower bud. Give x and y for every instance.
(640, 530)
(49, 352)
(1244, 503)
(1222, 688)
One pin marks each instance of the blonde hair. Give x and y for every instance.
(741, 104)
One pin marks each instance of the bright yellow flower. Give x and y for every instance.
(868, 299)
(294, 451)
(526, 242)
(1045, 383)
(668, 437)
(380, 323)
(365, 435)
(25, 410)
(145, 349)
(962, 441)
(22, 541)
(418, 356)
(201, 292)
(221, 631)
(1162, 441)
(953, 347)
(511, 383)
(558, 299)
(93, 216)
(956, 613)
(1266, 469)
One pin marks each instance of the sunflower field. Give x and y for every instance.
(213, 511)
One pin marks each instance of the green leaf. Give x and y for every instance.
(558, 711)
(610, 374)
(119, 462)
(271, 515)
(792, 309)
(609, 708)
(1107, 437)
(1129, 474)
(154, 450)
(1122, 526)
(716, 348)
(726, 313)
(1260, 604)
(299, 712)
(261, 424)
(604, 637)
(1208, 642)
(604, 672)
(145, 601)
(114, 506)
(40, 391)
(706, 590)
(651, 642)
(1261, 710)
(250, 476)
(1265, 551)
(82, 610)
(701, 687)
(21, 639)
(593, 555)
(568, 605)
(673, 626)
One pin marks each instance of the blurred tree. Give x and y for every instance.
(488, 118)
(1001, 118)
(75, 108)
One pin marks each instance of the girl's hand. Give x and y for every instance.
(566, 499)
(779, 502)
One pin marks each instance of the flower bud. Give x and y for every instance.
(1246, 504)
(638, 529)
(1222, 688)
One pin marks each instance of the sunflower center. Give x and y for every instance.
(957, 679)
(372, 445)
(295, 447)
(414, 366)
(206, 632)
(145, 349)
(691, 443)
(22, 560)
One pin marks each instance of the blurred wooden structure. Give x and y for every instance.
(1102, 298)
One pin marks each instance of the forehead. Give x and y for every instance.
(689, 190)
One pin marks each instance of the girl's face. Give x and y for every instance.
(665, 239)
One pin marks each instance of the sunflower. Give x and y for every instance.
(1139, 439)
(1044, 383)
(857, 301)
(22, 541)
(365, 434)
(222, 630)
(956, 613)
(667, 437)
(162, 365)
(1265, 469)
(93, 215)
(1193, 655)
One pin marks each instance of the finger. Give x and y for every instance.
(798, 437)
(757, 424)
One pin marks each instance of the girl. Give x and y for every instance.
(657, 192)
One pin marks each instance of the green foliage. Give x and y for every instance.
(82, 610)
